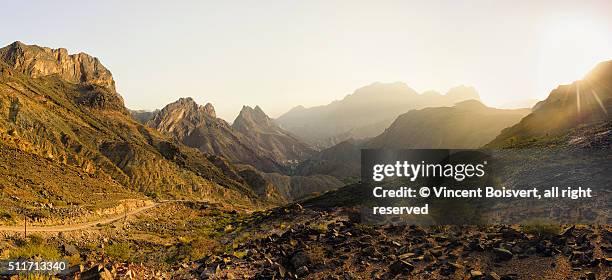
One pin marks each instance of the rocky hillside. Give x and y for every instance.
(263, 132)
(468, 124)
(365, 113)
(258, 152)
(63, 109)
(580, 110)
(198, 127)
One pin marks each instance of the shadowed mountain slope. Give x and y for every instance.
(467, 125)
(263, 132)
(581, 109)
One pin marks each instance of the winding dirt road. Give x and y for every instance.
(81, 226)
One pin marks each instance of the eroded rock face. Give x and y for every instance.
(94, 82)
(38, 61)
(182, 116)
(198, 127)
(281, 145)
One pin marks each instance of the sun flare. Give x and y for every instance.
(569, 49)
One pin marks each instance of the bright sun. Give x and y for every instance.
(568, 50)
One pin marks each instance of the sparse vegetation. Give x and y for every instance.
(121, 251)
(541, 228)
(35, 247)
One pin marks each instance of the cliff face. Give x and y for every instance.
(35, 62)
(95, 83)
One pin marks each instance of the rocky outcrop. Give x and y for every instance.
(35, 61)
(198, 127)
(181, 117)
(94, 82)
(281, 145)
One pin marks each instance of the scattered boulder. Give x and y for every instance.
(98, 272)
(502, 254)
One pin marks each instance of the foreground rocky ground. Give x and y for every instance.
(328, 245)
(202, 241)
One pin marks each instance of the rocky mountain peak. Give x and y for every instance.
(268, 136)
(183, 114)
(379, 89)
(38, 61)
(187, 106)
(250, 118)
(210, 110)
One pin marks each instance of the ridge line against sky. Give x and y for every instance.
(280, 54)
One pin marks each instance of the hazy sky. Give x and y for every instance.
(279, 54)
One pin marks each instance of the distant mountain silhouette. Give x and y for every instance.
(365, 113)
(468, 124)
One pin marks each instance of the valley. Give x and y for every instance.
(179, 193)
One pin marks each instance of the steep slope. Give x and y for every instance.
(260, 153)
(198, 127)
(580, 110)
(365, 113)
(64, 109)
(468, 124)
(282, 146)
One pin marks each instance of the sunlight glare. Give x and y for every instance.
(568, 50)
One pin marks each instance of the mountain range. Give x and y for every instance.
(198, 127)
(365, 113)
(261, 151)
(198, 197)
(64, 110)
(466, 125)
